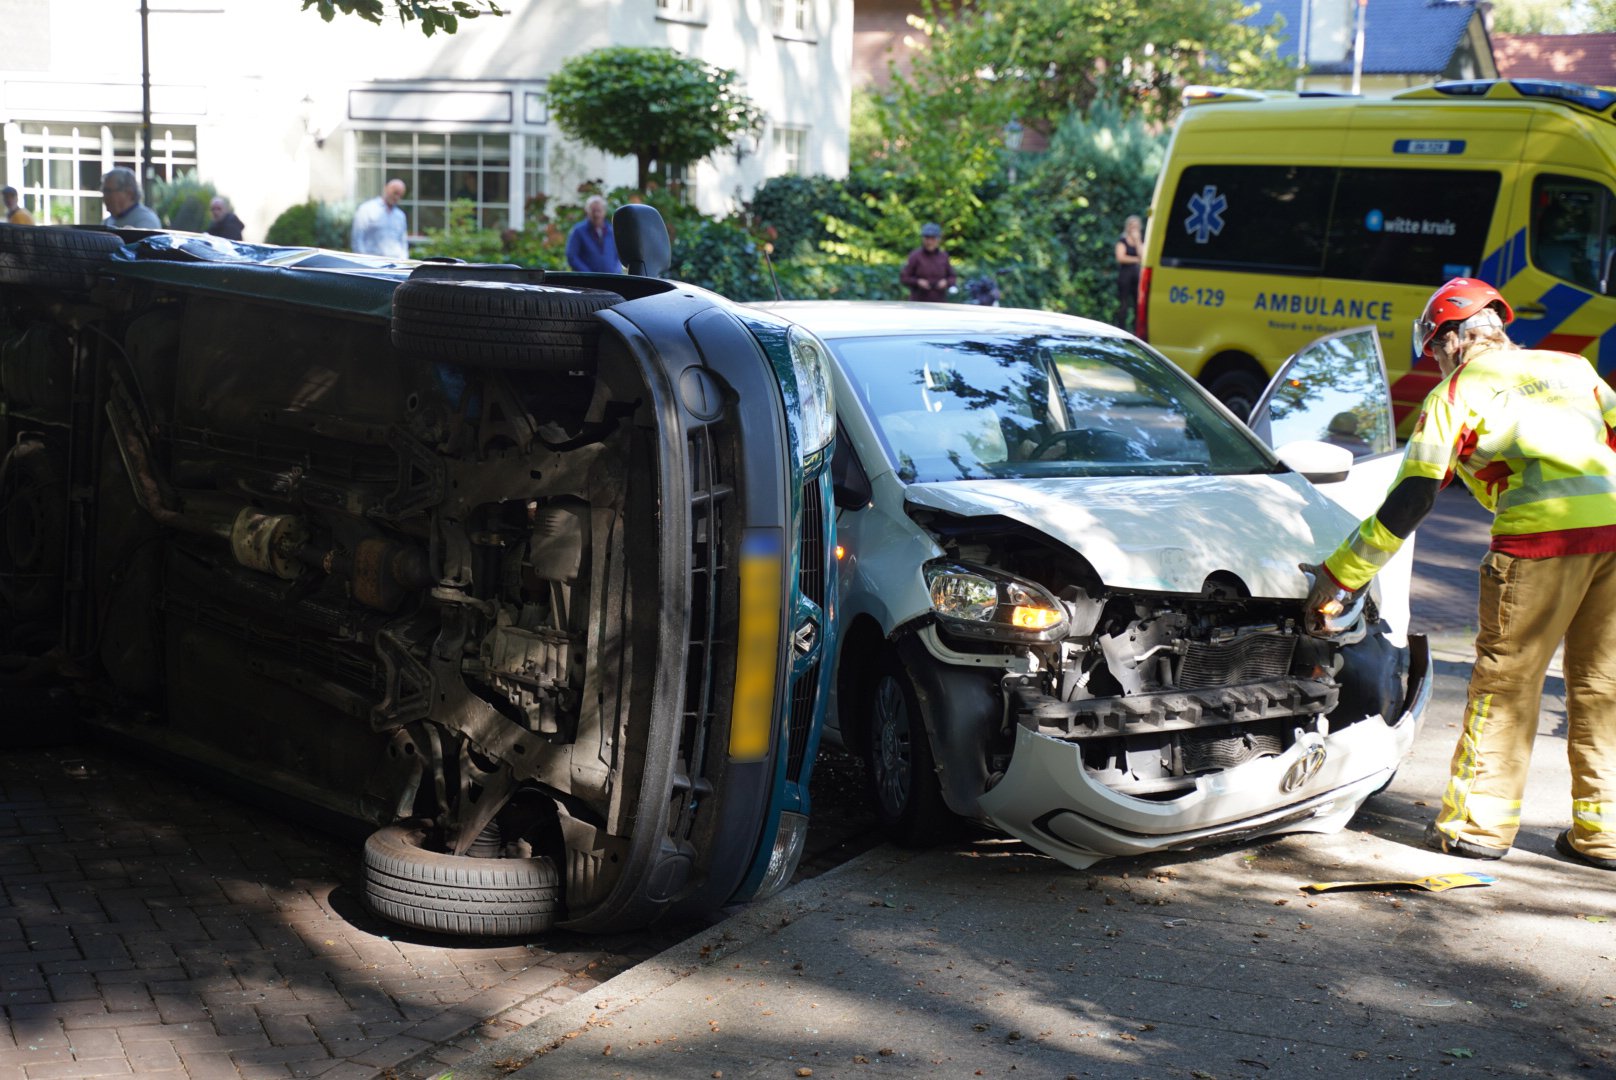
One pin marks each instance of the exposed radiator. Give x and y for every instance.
(1253, 658)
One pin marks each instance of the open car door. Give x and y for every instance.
(1335, 392)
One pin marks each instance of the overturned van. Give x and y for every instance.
(527, 571)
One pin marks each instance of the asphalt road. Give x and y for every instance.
(153, 926)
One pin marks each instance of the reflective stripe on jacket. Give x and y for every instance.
(1530, 433)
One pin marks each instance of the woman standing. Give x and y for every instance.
(1128, 247)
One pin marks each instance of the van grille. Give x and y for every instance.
(811, 582)
(710, 571)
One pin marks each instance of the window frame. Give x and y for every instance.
(97, 145)
(1602, 259)
(782, 160)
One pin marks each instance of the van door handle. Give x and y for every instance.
(1531, 311)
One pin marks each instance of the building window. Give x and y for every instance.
(534, 185)
(789, 151)
(438, 169)
(682, 10)
(793, 17)
(62, 165)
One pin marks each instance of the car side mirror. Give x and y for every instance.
(642, 240)
(1320, 462)
(849, 483)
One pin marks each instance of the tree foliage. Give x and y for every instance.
(1540, 16)
(182, 202)
(1046, 58)
(1601, 17)
(667, 110)
(433, 15)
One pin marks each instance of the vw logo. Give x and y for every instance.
(1304, 768)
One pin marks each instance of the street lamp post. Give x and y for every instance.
(145, 170)
(1012, 143)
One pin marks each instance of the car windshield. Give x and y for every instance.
(1012, 405)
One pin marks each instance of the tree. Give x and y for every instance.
(652, 103)
(433, 15)
(1535, 17)
(1046, 58)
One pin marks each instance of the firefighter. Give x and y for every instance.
(1532, 434)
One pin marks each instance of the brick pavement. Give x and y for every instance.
(150, 928)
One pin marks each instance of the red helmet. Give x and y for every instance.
(1455, 302)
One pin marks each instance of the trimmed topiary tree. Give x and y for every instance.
(663, 108)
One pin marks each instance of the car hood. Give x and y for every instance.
(1167, 533)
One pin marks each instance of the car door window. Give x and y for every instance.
(1335, 390)
(1570, 233)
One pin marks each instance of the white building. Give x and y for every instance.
(274, 106)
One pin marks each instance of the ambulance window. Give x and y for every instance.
(1413, 226)
(1569, 234)
(1261, 218)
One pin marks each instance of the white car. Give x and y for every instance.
(1070, 603)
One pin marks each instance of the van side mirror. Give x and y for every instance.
(642, 240)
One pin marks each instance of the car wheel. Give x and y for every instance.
(897, 757)
(1238, 390)
(500, 324)
(456, 894)
(33, 523)
(54, 256)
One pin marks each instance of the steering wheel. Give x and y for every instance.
(1089, 444)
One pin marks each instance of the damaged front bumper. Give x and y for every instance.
(1049, 800)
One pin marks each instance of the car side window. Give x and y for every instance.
(1569, 235)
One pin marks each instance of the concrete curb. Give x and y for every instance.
(674, 964)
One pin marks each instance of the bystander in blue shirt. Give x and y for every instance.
(591, 248)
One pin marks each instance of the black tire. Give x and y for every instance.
(54, 256)
(497, 324)
(33, 530)
(456, 894)
(1238, 390)
(898, 760)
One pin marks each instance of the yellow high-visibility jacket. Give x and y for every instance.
(1533, 436)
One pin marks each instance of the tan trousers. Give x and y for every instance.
(1527, 607)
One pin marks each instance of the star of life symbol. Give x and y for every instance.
(1206, 214)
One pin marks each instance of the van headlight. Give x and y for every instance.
(973, 601)
(816, 401)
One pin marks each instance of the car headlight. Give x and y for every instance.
(816, 402)
(976, 602)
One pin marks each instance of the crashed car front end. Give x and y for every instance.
(1093, 720)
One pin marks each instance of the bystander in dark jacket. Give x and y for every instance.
(927, 271)
(225, 221)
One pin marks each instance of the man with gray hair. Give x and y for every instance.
(380, 226)
(120, 191)
(15, 214)
(591, 248)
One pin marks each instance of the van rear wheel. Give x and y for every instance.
(54, 256)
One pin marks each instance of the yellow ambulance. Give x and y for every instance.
(1281, 217)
